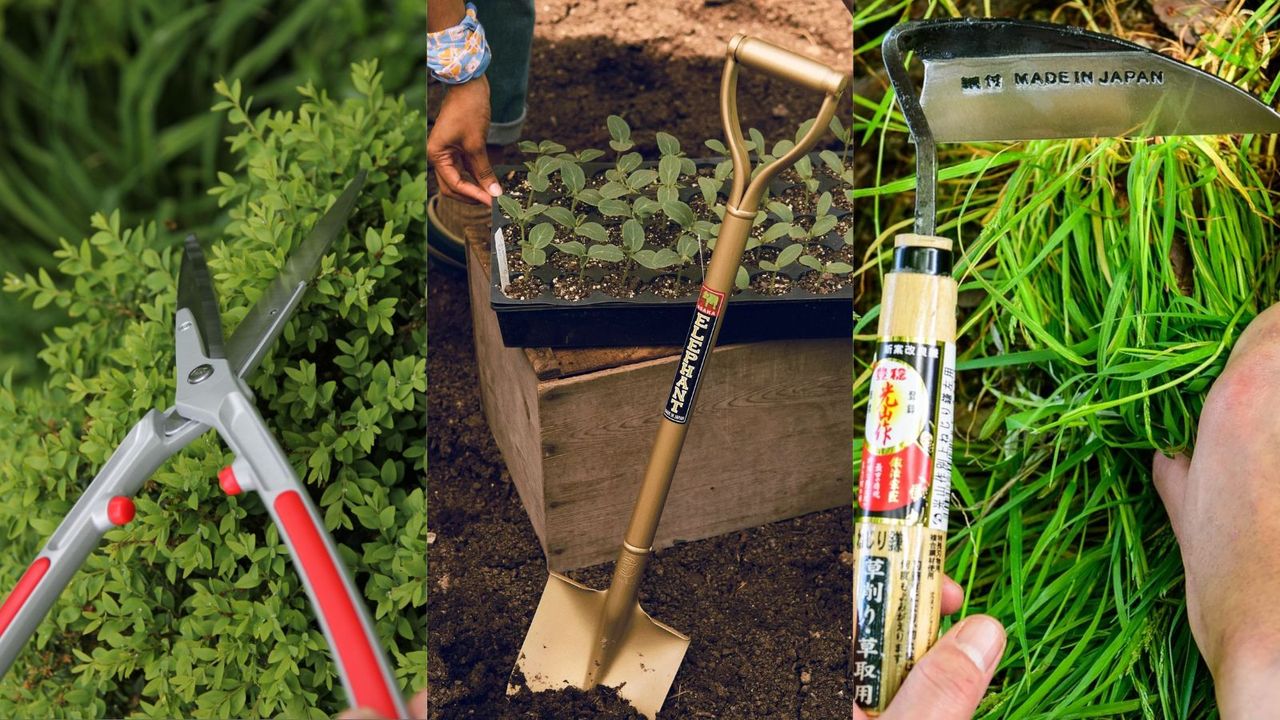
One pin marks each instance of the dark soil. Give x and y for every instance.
(613, 285)
(822, 283)
(525, 287)
(769, 609)
(672, 286)
(571, 288)
(768, 283)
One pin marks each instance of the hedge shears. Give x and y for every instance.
(211, 393)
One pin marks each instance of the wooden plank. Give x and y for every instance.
(769, 440)
(509, 394)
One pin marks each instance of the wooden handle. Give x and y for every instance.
(905, 477)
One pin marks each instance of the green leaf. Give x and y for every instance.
(593, 230)
(823, 225)
(606, 253)
(572, 247)
(668, 144)
(542, 233)
(561, 215)
(618, 128)
(789, 254)
(679, 212)
(614, 208)
(632, 235)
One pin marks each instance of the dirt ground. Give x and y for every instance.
(769, 608)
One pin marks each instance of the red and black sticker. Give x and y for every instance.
(906, 456)
(705, 316)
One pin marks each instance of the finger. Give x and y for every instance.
(453, 185)
(952, 596)
(418, 706)
(1170, 475)
(478, 162)
(949, 682)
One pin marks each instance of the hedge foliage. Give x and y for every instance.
(193, 609)
(103, 105)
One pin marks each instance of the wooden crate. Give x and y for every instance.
(769, 439)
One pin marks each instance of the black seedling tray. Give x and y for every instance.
(600, 320)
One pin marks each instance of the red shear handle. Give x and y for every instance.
(26, 585)
(355, 651)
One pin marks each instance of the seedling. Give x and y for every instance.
(578, 224)
(786, 258)
(533, 251)
(583, 253)
(522, 215)
(671, 166)
(828, 268)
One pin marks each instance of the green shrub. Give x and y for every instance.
(103, 106)
(193, 610)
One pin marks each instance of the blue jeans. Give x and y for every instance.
(508, 25)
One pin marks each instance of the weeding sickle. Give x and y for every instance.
(983, 80)
(581, 637)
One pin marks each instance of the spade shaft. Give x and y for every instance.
(581, 637)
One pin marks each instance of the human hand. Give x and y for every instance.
(1224, 505)
(950, 680)
(417, 710)
(456, 143)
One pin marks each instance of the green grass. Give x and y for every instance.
(1103, 284)
(105, 105)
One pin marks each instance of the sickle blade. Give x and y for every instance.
(196, 293)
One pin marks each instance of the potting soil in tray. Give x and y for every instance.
(536, 317)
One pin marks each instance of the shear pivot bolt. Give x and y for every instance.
(120, 510)
(227, 481)
(199, 374)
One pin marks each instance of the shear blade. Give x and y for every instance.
(197, 294)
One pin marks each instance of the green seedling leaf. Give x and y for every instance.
(589, 155)
(777, 231)
(832, 161)
(629, 162)
(510, 207)
(573, 177)
(528, 146)
(619, 130)
(612, 190)
(823, 225)
(838, 268)
(716, 146)
(781, 147)
(782, 211)
(710, 190)
(645, 207)
(632, 236)
(592, 230)
(549, 147)
(679, 212)
(534, 256)
(641, 178)
(657, 260)
(669, 170)
(541, 235)
(824, 204)
(743, 279)
(572, 247)
(614, 208)
(606, 253)
(539, 181)
(789, 254)
(810, 261)
(563, 216)
(687, 247)
(668, 144)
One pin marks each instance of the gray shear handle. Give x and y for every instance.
(106, 504)
(262, 466)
